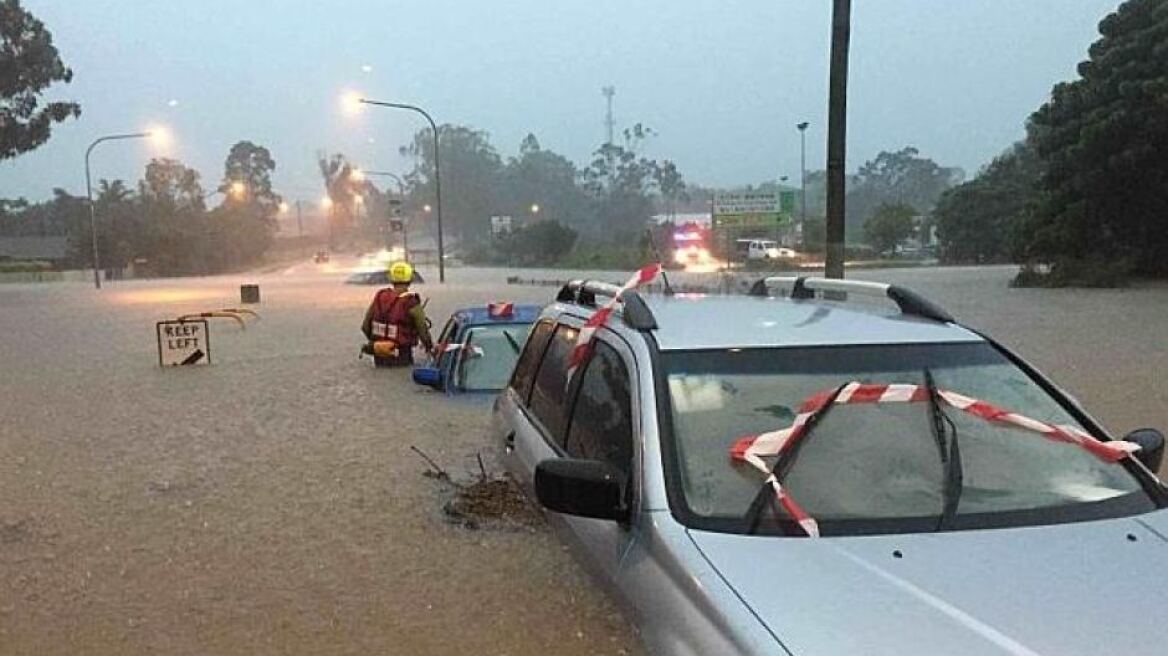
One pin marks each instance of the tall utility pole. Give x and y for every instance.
(608, 92)
(802, 127)
(837, 125)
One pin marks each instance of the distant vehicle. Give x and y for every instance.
(478, 347)
(320, 257)
(780, 474)
(377, 277)
(762, 249)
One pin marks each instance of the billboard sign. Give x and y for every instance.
(754, 209)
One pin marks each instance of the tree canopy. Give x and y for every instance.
(977, 221)
(1103, 138)
(896, 178)
(29, 64)
(889, 225)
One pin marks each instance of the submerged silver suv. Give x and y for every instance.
(778, 473)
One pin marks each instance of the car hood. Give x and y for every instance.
(1084, 588)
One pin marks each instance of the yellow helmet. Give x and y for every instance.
(401, 272)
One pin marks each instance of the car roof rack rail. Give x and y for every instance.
(801, 287)
(634, 311)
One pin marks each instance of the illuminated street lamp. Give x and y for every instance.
(160, 137)
(284, 207)
(352, 103)
(238, 189)
(426, 208)
(535, 208)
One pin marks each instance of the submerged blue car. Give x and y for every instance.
(478, 348)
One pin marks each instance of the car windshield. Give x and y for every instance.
(874, 467)
(489, 355)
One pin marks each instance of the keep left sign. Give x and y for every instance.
(183, 343)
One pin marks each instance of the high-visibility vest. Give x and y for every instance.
(391, 316)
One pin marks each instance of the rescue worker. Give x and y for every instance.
(396, 321)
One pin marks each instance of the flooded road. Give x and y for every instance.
(270, 503)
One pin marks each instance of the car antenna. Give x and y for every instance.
(657, 254)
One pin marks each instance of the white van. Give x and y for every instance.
(762, 249)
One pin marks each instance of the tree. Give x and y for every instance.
(540, 243)
(343, 190)
(977, 221)
(245, 223)
(471, 174)
(671, 185)
(176, 235)
(620, 182)
(547, 179)
(897, 178)
(889, 225)
(1103, 138)
(29, 64)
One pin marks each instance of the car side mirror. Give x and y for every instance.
(585, 488)
(428, 376)
(1151, 443)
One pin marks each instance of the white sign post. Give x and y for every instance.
(183, 342)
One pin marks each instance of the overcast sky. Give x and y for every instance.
(722, 82)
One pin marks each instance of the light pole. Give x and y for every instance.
(437, 174)
(401, 185)
(401, 191)
(89, 196)
(802, 127)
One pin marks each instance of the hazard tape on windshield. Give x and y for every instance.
(753, 448)
(582, 350)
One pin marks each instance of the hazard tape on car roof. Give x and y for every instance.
(753, 448)
(582, 349)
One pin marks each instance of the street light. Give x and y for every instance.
(160, 136)
(535, 208)
(802, 127)
(401, 190)
(401, 185)
(353, 101)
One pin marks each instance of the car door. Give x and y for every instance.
(601, 426)
(540, 419)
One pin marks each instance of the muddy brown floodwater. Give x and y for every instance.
(270, 503)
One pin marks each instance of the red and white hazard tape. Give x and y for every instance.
(582, 349)
(752, 449)
(444, 347)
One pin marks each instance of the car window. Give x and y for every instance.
(551, 381)
(489, 355)
(601, 427)
(880, 461)
(524, 373)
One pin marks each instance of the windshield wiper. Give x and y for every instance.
(513, 342)
(950, 454)
(753, 514)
